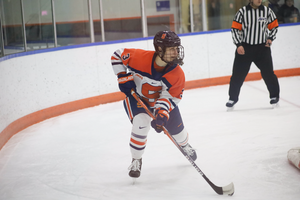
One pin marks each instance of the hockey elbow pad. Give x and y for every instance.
(126, 83)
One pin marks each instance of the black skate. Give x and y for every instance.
(190, 151)
(230, 105)
(274, 102)
(135, 168)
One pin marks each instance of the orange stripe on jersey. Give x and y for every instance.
(113, 58)
(138, 142)
(236, 25)
(166, 101)
(273, 24)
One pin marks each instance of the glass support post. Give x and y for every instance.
(1, 38)
(3, 20)
(92, 34)
(23, 26)
(101, 20)
(144, 19)
(204, 16)
(54, 23)
(40, 21)
(191, 16)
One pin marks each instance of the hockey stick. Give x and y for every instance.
(228, 189)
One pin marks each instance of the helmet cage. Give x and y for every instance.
(164, 39)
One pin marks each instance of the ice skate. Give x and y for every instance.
(274, 102)
(230, 105)
(188, 149)
(135, 168)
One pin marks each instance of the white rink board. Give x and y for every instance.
(42, 80)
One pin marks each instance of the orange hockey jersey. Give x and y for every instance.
(157, 89)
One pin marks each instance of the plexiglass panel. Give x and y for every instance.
(72, 22)
(288, 12)
(12, 26)
(163, 15)
(122, 19)
(38, 24)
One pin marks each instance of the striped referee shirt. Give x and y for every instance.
(254, 26)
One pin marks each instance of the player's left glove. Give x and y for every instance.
(162, 117)
(126, 83)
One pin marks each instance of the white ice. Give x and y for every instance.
(84, 155)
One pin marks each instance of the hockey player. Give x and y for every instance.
(159, 81)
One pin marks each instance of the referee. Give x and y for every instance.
(254, 27)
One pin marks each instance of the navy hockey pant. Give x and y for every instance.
(174, 124)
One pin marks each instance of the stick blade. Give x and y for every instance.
(228, 189)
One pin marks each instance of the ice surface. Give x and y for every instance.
(84, 155)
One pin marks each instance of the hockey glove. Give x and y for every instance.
(126, 83)
(162, 117)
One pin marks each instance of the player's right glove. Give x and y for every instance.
(126, 83)
(162, 117)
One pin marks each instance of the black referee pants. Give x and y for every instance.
(261, 56)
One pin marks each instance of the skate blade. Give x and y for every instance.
(275, 105)
(133, 181)
(230, 109)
